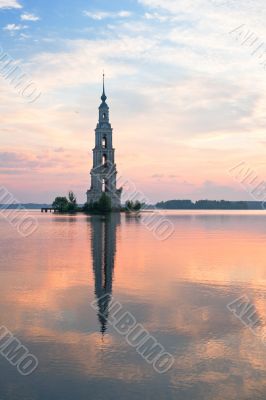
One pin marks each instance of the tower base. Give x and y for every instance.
(93, 197)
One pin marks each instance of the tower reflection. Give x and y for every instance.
(104, 230)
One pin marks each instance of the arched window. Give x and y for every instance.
(104, 142)
(104, 159)
(103, 185)
(104, 115)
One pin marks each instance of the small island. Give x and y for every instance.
(68, 205)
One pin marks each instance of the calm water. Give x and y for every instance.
(178, 289)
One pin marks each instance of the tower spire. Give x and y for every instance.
(103, 95)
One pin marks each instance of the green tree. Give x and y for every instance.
(60, 204)
(133, 206)
(104, 204)
(129, 205)
(72, 202)
(88, 207)
(137, 206)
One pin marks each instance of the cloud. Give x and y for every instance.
(29, 17)
(10, 157)
(9, 4)
(177, 84)
(79, 63)
(159, 17)
(14, 27)
(4, 171)
(17, 161)
(13, 162)
(100, 15)
(24, 36)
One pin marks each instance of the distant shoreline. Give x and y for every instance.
(171, 205)
(210, 205)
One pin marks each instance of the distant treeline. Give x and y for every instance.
(28, 206)
(173, 205)
(210, 205)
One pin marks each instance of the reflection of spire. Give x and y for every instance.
(103, 253)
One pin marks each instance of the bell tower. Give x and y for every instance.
(103, 173)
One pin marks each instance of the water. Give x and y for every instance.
(178, 289)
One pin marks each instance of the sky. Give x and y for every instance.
(185, 82)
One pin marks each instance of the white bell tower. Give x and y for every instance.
(103, 173)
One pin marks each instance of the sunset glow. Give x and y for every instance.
(186, 98)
